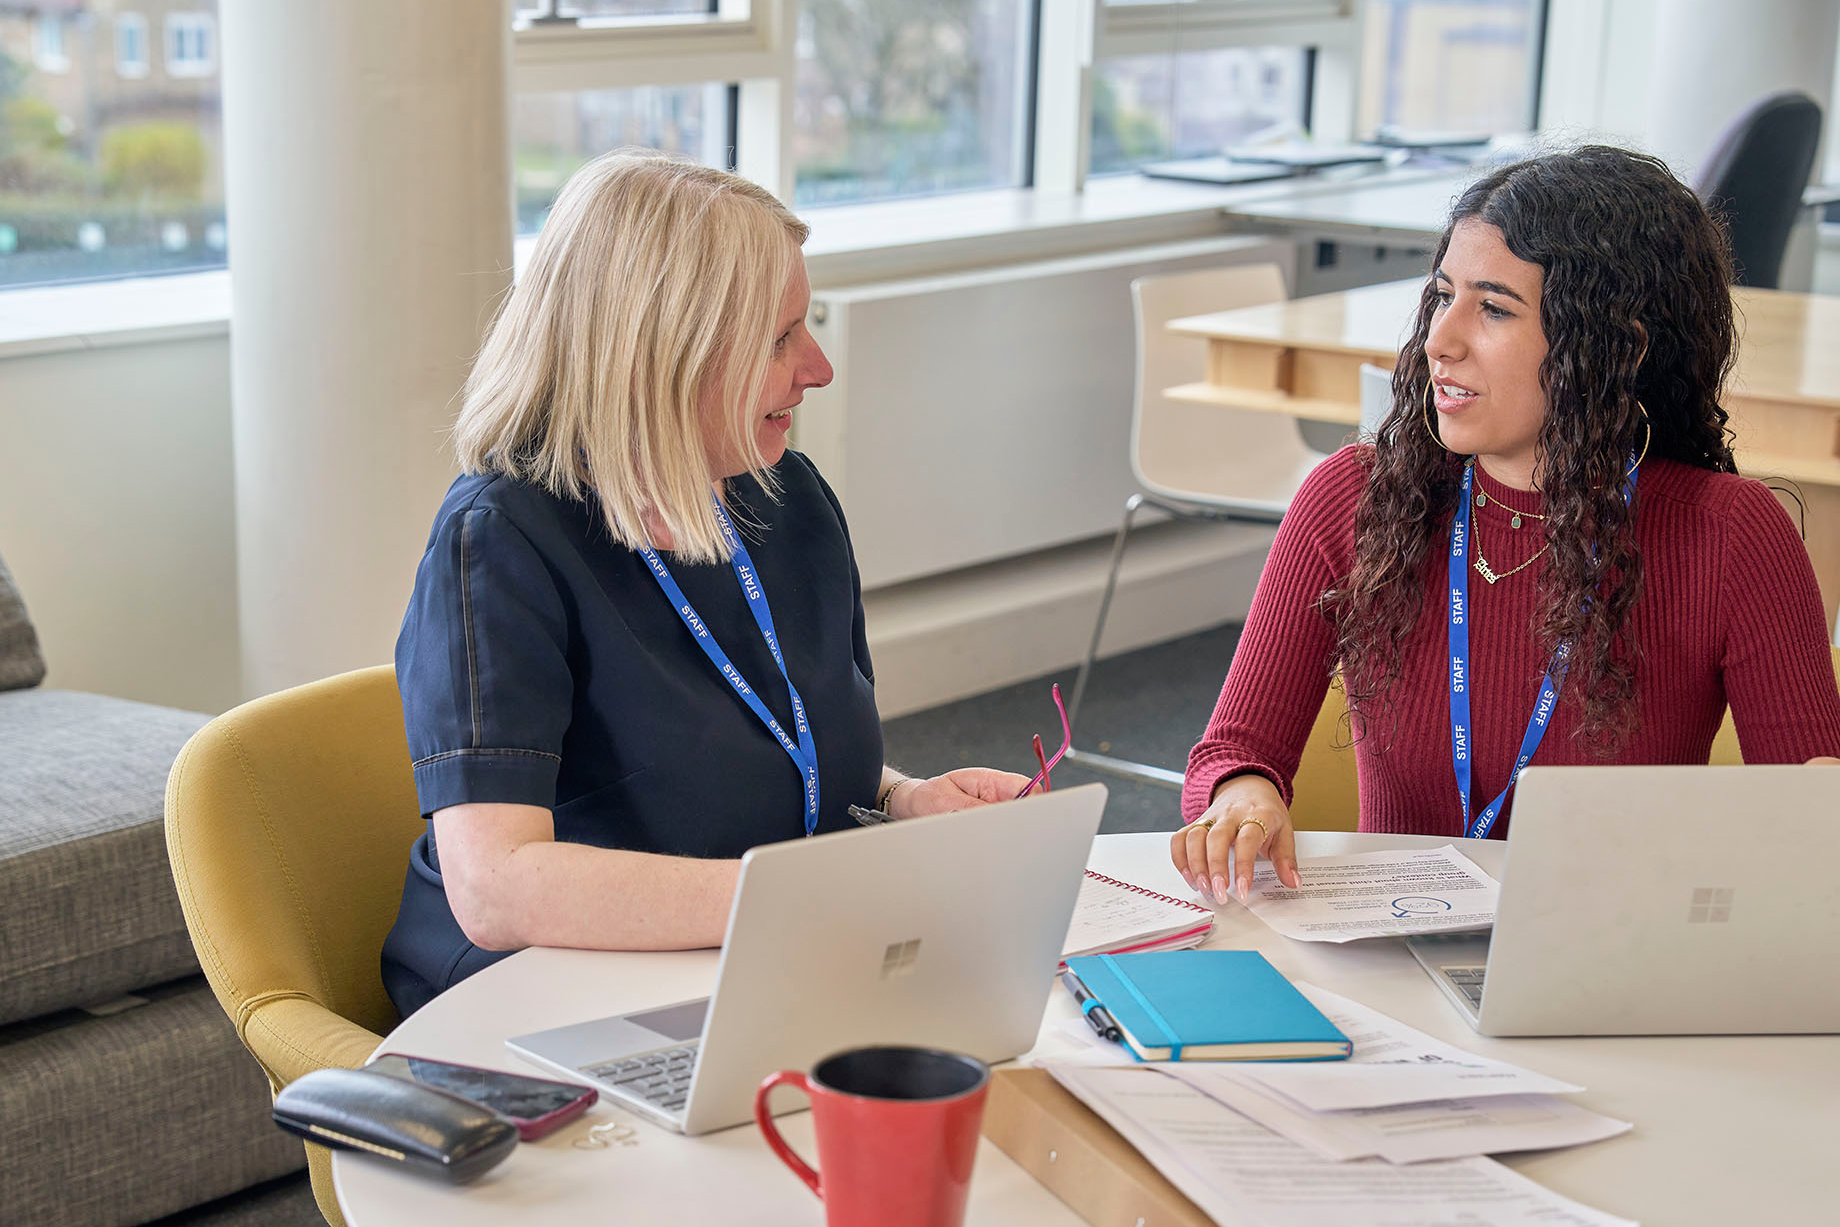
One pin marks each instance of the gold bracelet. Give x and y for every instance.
(887, 794)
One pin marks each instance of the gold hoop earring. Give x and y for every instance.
(1425, 405)
(1648, 435)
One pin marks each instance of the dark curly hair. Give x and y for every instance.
(1636, 307)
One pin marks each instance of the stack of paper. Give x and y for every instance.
(1400, 1127)
(1113, 917)
(1237, 1171)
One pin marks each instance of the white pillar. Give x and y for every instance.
(367, 157)
(1712, 58)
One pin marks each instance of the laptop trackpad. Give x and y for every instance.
(600, 1040)
(678, 1023)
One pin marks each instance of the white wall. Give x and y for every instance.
(117, 517)
(1667, 75)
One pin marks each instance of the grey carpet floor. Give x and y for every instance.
(1149, 705)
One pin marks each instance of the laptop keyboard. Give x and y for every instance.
(659, 1078)
(1468, 981)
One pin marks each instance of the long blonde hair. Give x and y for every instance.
(655, 283)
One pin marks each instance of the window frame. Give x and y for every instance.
(131, 70)
(50, 28)
(202, 24)
(752, 46)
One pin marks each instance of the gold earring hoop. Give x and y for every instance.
(1425, 405)
(1648, 435)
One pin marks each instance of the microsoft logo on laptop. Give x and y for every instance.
(898, 959)
(1711, 905)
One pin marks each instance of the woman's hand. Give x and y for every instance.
(1248, 817)
(1822, 760)
(961, 789)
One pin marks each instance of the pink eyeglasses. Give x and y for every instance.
(1047, 764)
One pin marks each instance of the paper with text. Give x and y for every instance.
(1237, 1171)
(1407, 1133)
(1376, 894)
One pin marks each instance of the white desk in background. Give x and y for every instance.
(1729, 1130)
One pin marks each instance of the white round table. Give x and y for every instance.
(1729, 1130)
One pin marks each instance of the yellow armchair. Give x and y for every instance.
(288, 824)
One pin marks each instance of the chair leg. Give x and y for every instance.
(1105, 762)
(1105, 607)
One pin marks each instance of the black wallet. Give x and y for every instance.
(422, 1129)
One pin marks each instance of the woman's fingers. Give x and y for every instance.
(1283, 854)
(1247, 841)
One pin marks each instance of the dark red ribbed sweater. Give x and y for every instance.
(1729, 613)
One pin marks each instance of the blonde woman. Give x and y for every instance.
(635, 647)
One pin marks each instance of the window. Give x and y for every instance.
(1450, 65)
(908, 99)
(131, 46)
(1148, 108)
(48, 49)
(109, 170)
(191, 45)
(553, 133)
(592, 10)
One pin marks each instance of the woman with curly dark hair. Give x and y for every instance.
(1556, 435)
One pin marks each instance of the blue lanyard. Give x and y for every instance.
(1461, 744)
(804, 753)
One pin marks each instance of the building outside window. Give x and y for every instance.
(554, 133)
(904, 98)
(1189, 104)
(1450, 65)
(50, 55)
(131, 45)
(110, 167)
(191, 44)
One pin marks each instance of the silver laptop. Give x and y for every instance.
(1659, 901)
(943, 931)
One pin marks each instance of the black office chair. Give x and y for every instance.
(1754, 177)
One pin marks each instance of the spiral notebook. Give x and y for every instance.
(1114, 917)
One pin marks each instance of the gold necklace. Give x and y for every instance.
(1482, 500)
(1489, 573)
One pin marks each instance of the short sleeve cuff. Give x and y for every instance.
(506, 777)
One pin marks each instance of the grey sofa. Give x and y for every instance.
(124, 1094)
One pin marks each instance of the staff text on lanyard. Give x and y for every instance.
(1462, 747)
(803, 751)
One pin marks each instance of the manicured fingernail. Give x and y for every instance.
(1220, 887)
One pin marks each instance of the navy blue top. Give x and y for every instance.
(540, 664)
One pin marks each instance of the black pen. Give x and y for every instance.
(1096, 1017)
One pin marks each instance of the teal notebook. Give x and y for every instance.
(1208, 1005)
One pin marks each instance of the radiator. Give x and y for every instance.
(985, 414)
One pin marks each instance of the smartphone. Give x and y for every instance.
(535, 1105)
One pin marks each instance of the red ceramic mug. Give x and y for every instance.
(897, 1132)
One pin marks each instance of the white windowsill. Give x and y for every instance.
(130, 311)
(848, 244)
